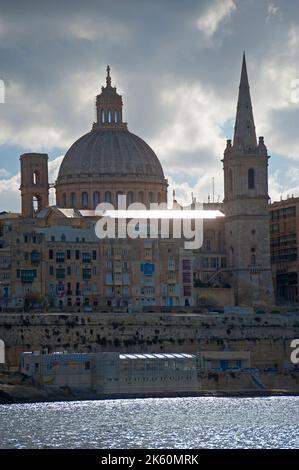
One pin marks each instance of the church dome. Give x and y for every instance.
(112, 153)
(109, 161)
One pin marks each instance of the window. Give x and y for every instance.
(130, 197)
(64, 200)
(73, 200)
(84, 200)
(60, 273)
(36, 177)
(187, 277)
(186, 264)
(86, 273)
(50, 254)
(96, 199)
(68, 254)
(251, 183)
(108, 197)
(86, 257)
(60, 257)
(77, 254)
(140, 196)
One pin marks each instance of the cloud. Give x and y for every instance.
(192, 140)
(210, 20)
(4, 173)
(273, 11)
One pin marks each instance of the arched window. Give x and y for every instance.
(159, 198)
(103, 116)
(151, 196)
(115, 116)
(251, 182)
(230, 180)
(36, 203)
(130, 197)
(73, 200)
(109, 116)
(36, 177)
(84, 200)
(64, 200)
(119, 193)
(140, 196)
(108, 197)
(96, 199)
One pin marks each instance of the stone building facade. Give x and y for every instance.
(53, 254)
(284, 244)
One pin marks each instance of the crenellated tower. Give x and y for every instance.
(246, 198)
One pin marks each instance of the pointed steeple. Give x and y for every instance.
(244, 134)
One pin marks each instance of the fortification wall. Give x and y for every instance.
(268, 337)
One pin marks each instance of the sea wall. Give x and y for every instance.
(267, 337)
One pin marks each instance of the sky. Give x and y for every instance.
(177, 65)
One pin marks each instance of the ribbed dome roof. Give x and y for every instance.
(110, 153)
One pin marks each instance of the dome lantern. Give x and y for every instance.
(109, 108)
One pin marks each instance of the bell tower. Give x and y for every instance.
(246, 198)
(34, 183)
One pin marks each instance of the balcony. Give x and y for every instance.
(28, 275)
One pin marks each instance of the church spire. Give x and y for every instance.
(244, 134)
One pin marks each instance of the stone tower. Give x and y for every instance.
(246, 198)
(34, 183)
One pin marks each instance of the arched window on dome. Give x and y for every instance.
(140, 196)
(159, 198)
(96, 199)
(119, 193)
(108, 197)
(64, 200)
(130, 198)
(151, 196)
(109, 116)
(84, 200)
(116, 116)
(74, 200)
(103, 116)
(251, 182)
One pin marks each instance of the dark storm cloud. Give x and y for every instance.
(177, 64)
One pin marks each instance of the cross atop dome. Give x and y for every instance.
(108, 78)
